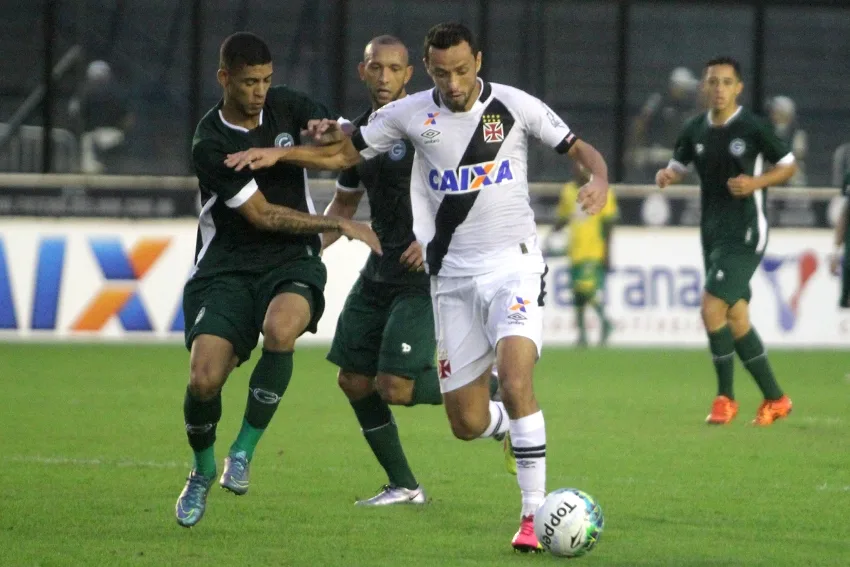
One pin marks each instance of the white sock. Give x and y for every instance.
(528, 439)
(499, 420)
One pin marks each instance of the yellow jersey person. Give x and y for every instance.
(588, 250)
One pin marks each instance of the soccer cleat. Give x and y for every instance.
(510, 458)
(391, 495)
(525, 541)
(771, 410)
(723, 410)
(193, 500)
(235, 475)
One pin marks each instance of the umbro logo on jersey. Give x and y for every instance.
(699, 148)
(430, 136)
(471, 177)
(432, 119)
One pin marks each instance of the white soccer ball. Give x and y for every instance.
(568, 523)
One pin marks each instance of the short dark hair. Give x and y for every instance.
(384, 40)
(243, 49)
(449, 34)
(725, 60)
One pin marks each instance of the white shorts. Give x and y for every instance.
(471, 315)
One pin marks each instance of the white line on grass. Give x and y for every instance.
(75, 462)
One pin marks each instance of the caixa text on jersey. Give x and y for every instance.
(471, 177)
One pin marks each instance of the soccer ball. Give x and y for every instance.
(568, 523)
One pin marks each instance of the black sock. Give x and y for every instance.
(722, 347)
(381, 433)
(201, 418)
(751, 352)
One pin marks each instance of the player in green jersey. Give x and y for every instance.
(257, 266)
(384, 343)
(840, 264)
(729, 145)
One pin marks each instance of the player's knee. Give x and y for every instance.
(394, 390)
(206, 379)
(354, 386)
(739, 321)
(280, 335)
(467, 428)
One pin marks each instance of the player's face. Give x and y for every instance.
(385, 71)
(721, 87)
(245, 88)
(455, 74)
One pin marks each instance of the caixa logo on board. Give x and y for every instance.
(122, 269)
(639, 287)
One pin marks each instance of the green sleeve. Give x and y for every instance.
(213, 175)
(773, 148)
(845, 187)
(683, 150)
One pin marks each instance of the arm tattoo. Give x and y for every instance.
(284, 219)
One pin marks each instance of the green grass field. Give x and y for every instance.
(92, 441)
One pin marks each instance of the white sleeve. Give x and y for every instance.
(381, 132)
(544, 124)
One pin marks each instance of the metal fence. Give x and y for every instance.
(622, 73)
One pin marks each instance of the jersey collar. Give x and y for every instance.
(234, 126)
(483, 95)
(728, 120)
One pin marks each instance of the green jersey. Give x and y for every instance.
(721, 152)
(386, 179)
(226, 241)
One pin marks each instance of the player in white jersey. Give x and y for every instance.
(469, 193)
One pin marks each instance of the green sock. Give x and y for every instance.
(426, 389)
(599, 307)
(751, 352)
(582, 330)
(381, 433)
(268, 383)
(201, 418)
(722, 346)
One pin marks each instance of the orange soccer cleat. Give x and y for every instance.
(723, 410)
(771, 410)
(525, 540)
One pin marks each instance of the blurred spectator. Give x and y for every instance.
(100, 109)
(783, 115)
(662, 117)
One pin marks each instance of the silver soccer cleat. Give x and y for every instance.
(391, 495)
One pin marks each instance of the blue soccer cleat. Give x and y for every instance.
(193, 500)
(235, 475)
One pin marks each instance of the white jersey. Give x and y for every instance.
(469, 184)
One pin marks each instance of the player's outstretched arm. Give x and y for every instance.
(337, 155)
(343, 205)
(266, 216)
(593, 196)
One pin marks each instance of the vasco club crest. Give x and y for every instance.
(494, 132)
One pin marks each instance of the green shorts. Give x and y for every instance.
(728, 273)
(587, 278)
(233, 305)
(386, 329)
(844, 299)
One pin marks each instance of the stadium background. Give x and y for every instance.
(91, 268)
(594, 62)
